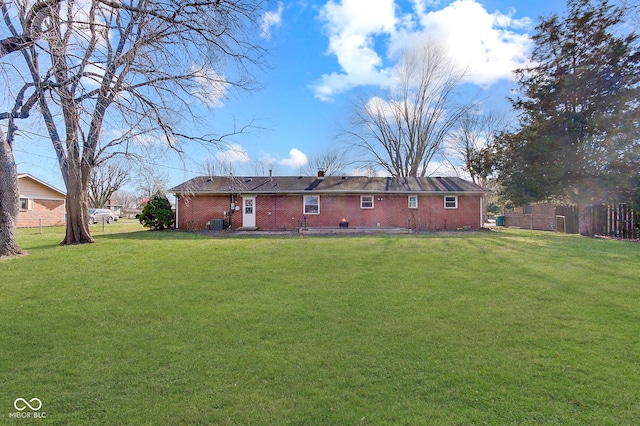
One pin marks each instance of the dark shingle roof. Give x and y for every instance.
(330, 184)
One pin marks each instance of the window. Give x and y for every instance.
(248, 206)
(26, 204)
(366, 202)
(451, 202)
(311, 204)
(413, 201)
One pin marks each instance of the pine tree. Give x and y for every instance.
(579, 135)
(157, 213)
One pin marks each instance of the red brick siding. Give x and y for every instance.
(542, 217)
(45, 213)
(195, 212)
(286, 212)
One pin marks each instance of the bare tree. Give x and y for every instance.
(9, 198)
(333, 162)
(264, 166)
(9, 195)
(130, 67)
(473, 142)
(106, 179)
(149, 181)
(32, 26)
(403, 130)
(126, 199)
(212, 166)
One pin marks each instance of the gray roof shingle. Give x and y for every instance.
(203, 185)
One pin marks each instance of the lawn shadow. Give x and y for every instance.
(146, 234)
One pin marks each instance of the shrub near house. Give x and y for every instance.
(157, 213)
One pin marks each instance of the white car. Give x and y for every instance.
(99, 215)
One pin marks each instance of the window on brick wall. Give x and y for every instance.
(311, 204)
(451, 202)
(366, 201)
(26, 204)
(413, 201)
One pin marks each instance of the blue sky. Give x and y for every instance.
(322, 53)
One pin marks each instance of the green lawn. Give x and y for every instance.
(160, 328)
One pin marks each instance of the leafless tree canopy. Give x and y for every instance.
(149, 181)
(473, 140)
(111, 75)
(126, 199)
(333, 162)
(105, 180)
(32, 26)
(404, 130)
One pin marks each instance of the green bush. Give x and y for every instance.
(157, 213)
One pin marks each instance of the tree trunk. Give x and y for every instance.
(9, 200)
(76, 207)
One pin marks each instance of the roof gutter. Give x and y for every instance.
(325, 192)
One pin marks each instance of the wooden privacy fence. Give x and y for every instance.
(617, 220)
(567, 219)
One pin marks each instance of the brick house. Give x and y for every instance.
(293, 202)
(40, 203)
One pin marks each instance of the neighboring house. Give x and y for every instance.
(40, 203)
(115, 208)
(290, 202)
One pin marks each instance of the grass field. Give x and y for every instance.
(164, 328)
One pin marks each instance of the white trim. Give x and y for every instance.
(481, 211)
(304, 203)
(409, 201)
(455, 198)
(362, 197)
(249, 219)
(177, 216)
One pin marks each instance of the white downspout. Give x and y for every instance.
(177, 217)
(481, 210)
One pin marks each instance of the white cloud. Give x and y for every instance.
(210, 87)
(489, 45)
(352, 26)
(296, 159)
(270, 20)
(232, 155)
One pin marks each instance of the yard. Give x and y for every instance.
(507, 327)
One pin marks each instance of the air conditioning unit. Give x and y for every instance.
(216, 224)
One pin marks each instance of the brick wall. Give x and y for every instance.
(286, 212)
(195, 212)
(542, 217)
(44, 212)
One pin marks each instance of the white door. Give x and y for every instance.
(249, 212)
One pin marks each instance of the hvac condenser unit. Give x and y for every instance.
(216, 224)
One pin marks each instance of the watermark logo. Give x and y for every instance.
(34, 405)
(21, 404)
